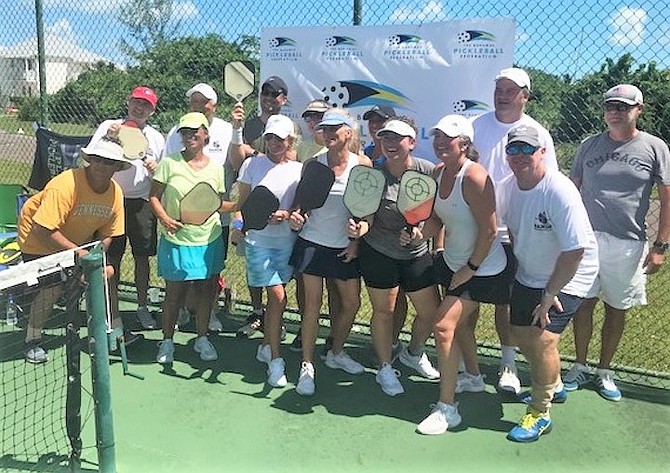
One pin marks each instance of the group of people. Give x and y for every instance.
(507, 228)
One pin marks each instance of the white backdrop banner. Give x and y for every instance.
(424, 72)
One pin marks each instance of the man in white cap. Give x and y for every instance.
(621, 158)
(557, 263)
(314, 144)
(511, 94)
(203, 98)
(76, 207)
(136, 182)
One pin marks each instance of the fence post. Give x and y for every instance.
(97, 336)
(358, 12)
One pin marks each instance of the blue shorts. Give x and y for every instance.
(190, 263)
(268, 266)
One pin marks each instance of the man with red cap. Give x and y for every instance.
(136, 183)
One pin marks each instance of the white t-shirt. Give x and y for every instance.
(490, 141)
(282, 180)
(545, 221)
(220, 134)
(135, 181)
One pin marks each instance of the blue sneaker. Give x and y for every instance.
(531, 426)
(606, 386)
(559, 397)
(577, 377)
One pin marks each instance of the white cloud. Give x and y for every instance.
(627, 26)
(432, 10)
(184, 10)
(63, 29)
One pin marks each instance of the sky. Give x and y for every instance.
(559, 36)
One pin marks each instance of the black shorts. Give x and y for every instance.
(140, 231)
(322, 261)
(510, 269)
(381, 272)
(486, 289)
(525, 299)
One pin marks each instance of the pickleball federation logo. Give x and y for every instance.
(406, 46)
(469, 106)
(282, 49)
(477, 44)
(341, 48)
(361, 93)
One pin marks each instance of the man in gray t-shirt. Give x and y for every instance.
(615, 172)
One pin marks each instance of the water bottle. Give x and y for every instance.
(11, 312)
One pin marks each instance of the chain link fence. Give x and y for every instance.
(96, 51)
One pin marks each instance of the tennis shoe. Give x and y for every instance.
(444, 416)
(305, 386)
(276, 373)
(509, 379)
(254, 324)
(205, 349)
(470, 383)
(35, 353)
(606, 387)
(145, 318)
(214, 324)
(387, 378)
(344, 362)
(264, 353)
(165, 352)
(576, 377)
(419, 363)
(531, 426)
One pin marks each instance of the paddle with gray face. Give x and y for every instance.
(238, 79)
(364, 191)
(416, 197)
(199, 204)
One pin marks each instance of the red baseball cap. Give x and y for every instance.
(145, 93)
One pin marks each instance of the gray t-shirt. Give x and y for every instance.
(384, 234)
(617, 179)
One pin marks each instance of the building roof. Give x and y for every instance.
(55, 47)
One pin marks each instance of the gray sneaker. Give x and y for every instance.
(145, 318)
(35, 353)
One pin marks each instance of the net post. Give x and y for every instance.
(92, 265)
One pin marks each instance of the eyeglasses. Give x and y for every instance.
(271, 92)
(313, 117)
(525, 148)
(617, 106)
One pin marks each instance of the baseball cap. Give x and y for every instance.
(145, 93)
(106, 149)
(524, 134)
(516, 75)
(316, 106)
(193, 121)
(279, 125)
(625, 93)
(336, 117)
(206, 90)
(398, 127)
(453, 126)
(276, 83)
(383, 111)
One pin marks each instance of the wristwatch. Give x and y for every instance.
(661, 246)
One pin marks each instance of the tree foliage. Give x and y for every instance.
(150, 23)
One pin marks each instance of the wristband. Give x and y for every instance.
(237, 138)
(472, 266)
(237, 224)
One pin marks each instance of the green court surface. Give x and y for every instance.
(222, 417)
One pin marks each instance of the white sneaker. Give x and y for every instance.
(509, 380)
(444, 416)
(420, 363)
(205, 349)
(576, 377)
(387, 378)
(470, 383)
(183, 318)
(215, 324)
(305, 386)
(145, 318)
(344, 362)
(165, 352)
(264, 354)
(276, 373)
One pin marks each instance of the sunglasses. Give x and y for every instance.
(271, 92)
(272, 136)
(617, 106)
(331, 128)
(525, 148)
(313, 117)
(103, 161)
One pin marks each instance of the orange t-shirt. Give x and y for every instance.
(69, 205)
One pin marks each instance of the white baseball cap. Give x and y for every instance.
(398, 127)
(625, 93)
(279, 125)
(206, 90)
(453, 126)
(516, 75)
